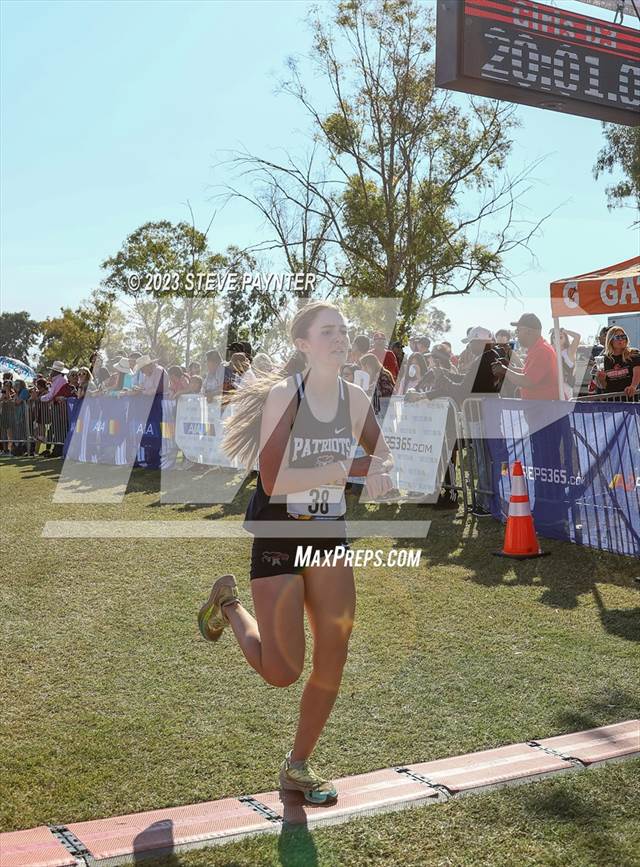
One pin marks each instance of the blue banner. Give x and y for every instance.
(121, 431)
(582, 468)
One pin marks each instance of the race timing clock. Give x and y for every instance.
(539, 55)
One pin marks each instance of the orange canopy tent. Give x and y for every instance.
(615, 289)
(611, 290)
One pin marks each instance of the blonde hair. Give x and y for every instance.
(86, 371)
(627, 352)
(240, 362)
(242, 430)
(262, 363)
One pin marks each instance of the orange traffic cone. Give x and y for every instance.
(520, 540)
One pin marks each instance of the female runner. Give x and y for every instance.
(302, 422)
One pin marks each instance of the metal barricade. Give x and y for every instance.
(600, 513)
(479, 461)
(14, 423)
(31, 423)
(612, 397)
(54, 421)
(453, 452)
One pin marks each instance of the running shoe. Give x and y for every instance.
(211, 619)
(300, 777)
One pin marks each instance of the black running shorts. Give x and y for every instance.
(278, 556)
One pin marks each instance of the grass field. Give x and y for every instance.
(112, 703)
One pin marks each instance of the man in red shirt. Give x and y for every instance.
(385, 356)
(538, 379)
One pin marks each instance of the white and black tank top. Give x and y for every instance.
(312, 443)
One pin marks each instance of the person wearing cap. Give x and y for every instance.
(112, 385)
(98, 370)
(122, 378)
(504, 344)
(478, 376)
(59, 386)
(153, 376)
(385, 356)
(441, 357)
(233, 347)
(538, 379)
(466, 357)
(422, 342)
(361, 346)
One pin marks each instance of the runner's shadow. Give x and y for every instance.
(296, 847)
(154, 846)
(155, 842)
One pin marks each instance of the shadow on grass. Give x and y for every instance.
(154, 846)
(624, 622)
(613, 706)
(570, 572)
(141, 480)
(37, 467)
(593, 831)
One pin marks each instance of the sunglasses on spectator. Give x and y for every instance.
(619, 337)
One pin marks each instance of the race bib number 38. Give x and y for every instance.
(324, 501)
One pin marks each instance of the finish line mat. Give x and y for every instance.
(158, 833)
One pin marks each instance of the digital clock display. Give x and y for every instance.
(539, 55)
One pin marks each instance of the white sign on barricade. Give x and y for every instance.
(199, 430)
(415, 434)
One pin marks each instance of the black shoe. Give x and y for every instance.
(479, 512)
(447, 500)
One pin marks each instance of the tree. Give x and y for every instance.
(173, 308)
(411, 180)
(151, 270)
(75, 334)
(296, 214)
(18, 333)
(621, 151)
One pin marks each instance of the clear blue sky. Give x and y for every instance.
(115, 113)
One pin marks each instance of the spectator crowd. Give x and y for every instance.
(519, 363)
